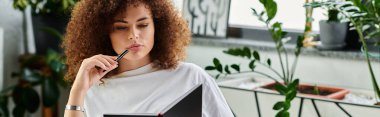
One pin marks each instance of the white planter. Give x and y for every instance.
(252, 102)
(243, 82)
(333, 34)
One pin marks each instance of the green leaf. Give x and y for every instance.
(372, 34)
(277, 33)
(52, 55)
(283, 113)
(271, 9)
(217, 76)
(57, 66)
(236, 67)
(30, 76)
(280, 88)
(20, 4)
(65, 5)
(294, 84)
(19, 111)
(283, 34)
(235, 52)
(17, 95)
(351, 9)
(31, 99)
(377, 6)
(210, 68)
(247, 52)
(254, 11)
(227, 70)
(269, 62)
(359, 4)
(278, 105)
(256, 55)
(52, 32)
(299, 45)
(217, 65)
(292, 93)
(252, 65)
(287, 105)
(50, 92)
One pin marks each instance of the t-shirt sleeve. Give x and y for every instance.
(214, 103)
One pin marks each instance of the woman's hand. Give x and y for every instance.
(92, 70)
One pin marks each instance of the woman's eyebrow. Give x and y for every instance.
(141, 19)
(123, 21)
(120, 20)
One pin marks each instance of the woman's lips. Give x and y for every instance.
(135, 47)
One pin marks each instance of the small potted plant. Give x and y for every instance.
(332, 31)
(364, 18)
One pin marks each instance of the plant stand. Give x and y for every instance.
(258, 102)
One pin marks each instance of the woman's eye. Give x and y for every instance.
(143, 25)
(121, 28)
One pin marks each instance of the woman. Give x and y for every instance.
(146, 79)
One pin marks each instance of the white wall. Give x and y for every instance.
(11, 21)
(1, 56)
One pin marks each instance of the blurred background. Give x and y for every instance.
(339, 42)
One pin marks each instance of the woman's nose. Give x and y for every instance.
(133, 34)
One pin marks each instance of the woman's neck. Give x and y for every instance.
(127, 65)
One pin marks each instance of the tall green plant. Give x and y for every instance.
(364, 17)
(286, 74)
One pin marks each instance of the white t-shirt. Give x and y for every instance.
(147, 90)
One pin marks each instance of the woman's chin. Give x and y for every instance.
(135, 56)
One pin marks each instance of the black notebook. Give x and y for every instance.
(188, 105)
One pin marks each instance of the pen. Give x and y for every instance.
(121, 55)
(117, 59)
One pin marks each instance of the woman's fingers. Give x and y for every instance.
(102, 73)
(100, 64)
(111, 59)
(104, 61)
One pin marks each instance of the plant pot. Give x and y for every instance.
(325, 91)
(50, 111)
(332, 35)
(243, 82)
(44, 39)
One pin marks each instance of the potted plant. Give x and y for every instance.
(47, 15)
(46, 71)
(364, 18)
(332, 31)
(288, 84)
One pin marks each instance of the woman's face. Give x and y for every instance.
(133, 30)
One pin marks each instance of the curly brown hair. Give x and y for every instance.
(87, 33)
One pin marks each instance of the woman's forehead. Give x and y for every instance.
(134, 12)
